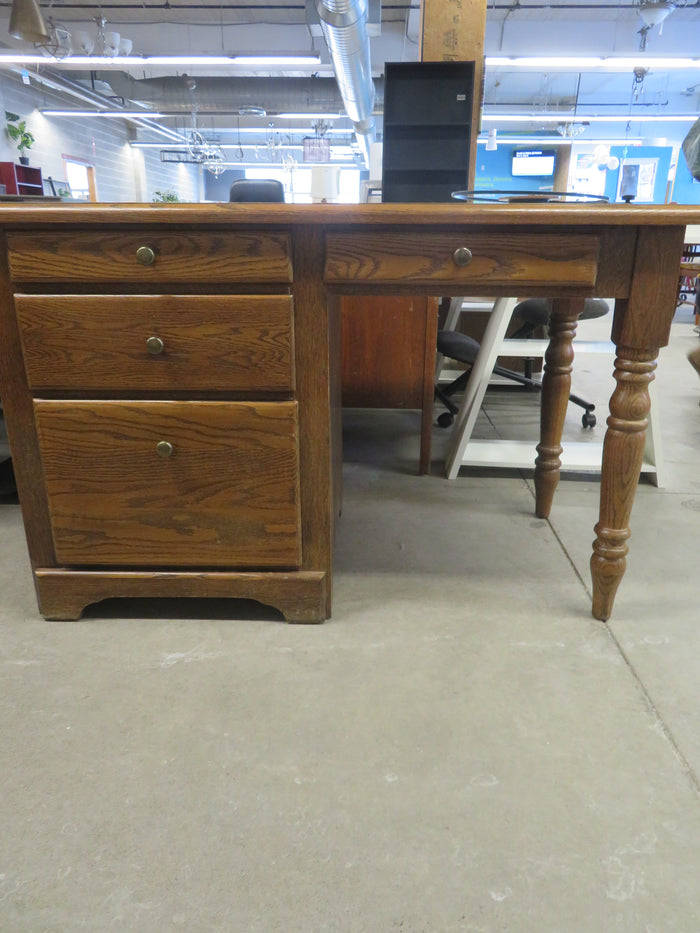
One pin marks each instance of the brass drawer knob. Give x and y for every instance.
(155, 345)
(145, 255)
(164, 449)
(462, 256)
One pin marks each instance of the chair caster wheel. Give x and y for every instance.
(446, 420)
(588, 420)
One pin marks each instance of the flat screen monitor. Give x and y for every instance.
(533, 162)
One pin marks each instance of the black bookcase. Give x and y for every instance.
(427, 130)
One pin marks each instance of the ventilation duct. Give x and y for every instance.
(374, 19)
(228, 95)
(344, 25)
(74, 90)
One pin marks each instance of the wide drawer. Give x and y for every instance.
(172, 483)
(150, 256)
(157, 342)
(424, 258)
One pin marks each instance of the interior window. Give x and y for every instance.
(80, 180)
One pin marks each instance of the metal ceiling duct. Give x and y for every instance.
(344, 25)
(226, 94)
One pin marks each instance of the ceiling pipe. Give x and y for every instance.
(344, 25)
(65, 87)
(270, 96)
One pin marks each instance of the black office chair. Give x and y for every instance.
(532, 313)
(256, 189)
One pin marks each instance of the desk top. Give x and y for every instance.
(331, 215)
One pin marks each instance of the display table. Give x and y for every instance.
(171, 376)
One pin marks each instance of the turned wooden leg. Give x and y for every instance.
(623, 451)
(556, 385)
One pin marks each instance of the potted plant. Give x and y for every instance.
(18, 132)
(165, 197)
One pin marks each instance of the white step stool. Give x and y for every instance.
(576, 457)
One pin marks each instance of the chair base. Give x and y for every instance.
(444, 395)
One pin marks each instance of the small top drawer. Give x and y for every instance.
(150, 256)
(157, 342)
(423, 258)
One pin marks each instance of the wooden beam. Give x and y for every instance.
(454, 31)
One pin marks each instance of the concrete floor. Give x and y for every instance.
(461, 748)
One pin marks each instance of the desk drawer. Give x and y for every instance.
(517, 259)
(225, 494)
(150, 256)
(157, 342)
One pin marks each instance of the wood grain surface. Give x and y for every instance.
(555, 259)
(226, 343)
(228, 495)
(187, 256)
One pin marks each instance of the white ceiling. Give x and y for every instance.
(576, 95)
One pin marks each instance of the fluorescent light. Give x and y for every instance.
(588, 118)
(307, 116)
(285, 131)
(103, 61)
(276, 60)
(586, 63)
(182, 147)
(643, 118)
(218, 61)
(550, 140)
(126, 114)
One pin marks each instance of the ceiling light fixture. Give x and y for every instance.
(210, 61)
(571, 130)
(290, 60)
(654, 12)
(169, 114)
(214, 162)
(589, 63)
(58, 44)
(27, 23)
(590, 118)
(308, 116)
(126, 114)
(545, 140)
(105, 44)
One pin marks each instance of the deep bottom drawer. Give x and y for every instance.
(172, 483)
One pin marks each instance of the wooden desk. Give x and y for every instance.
(171, 381)
(388, 351)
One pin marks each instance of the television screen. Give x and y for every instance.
(533, 162)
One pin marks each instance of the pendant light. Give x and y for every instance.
(27, 23)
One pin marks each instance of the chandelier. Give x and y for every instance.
(214, 160)
(571, 130)
(27, 24)
(105, 43)
(196, 146)
(58, 41)
(653, 13)
(207, 152)
(275, 147)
